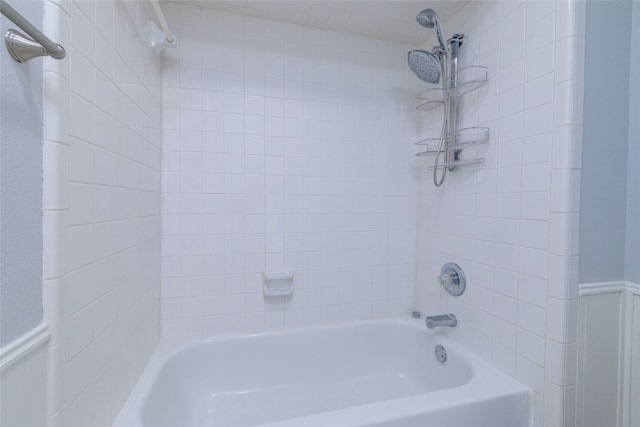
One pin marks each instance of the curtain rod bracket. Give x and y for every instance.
(22, 48)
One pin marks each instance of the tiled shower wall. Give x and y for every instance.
(102, 207)
(511, 223)
(285, 148)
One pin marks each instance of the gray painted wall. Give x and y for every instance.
(603, 210)
(21, 129)
(633, 171)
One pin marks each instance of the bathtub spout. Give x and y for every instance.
(441, 320)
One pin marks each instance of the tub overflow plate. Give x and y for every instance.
(441, 354)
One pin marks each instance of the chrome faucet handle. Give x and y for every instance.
(447, 279)
(453, 279)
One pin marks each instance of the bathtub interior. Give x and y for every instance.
(254, 380)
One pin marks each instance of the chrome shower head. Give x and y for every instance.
(426, 65)
(428, 18)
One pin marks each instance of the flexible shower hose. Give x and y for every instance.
(444, 138)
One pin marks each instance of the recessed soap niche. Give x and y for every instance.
(277, 284)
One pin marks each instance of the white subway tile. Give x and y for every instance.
(56, 176)
(564, 234)
(540, 34)
(533, 262)
(56, 21)
(505, 307)
(534, 205)
(570, 19)
(82, 29)
(56, 241)
(560, 363)
(512, 40)
(563, 277)
(80, 330)
(565, 190)
(559, 404)
(534, 234)
(82, 118)
(531, 374)
(531, 346)
(561, 326)
(532, 318)
(536, 177)
(539, 63)
(570, 57)
(568, 101)
(56, 107)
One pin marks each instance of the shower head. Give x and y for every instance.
(428, 18)
(425, 64)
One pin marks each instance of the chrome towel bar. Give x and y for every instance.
(22, 48)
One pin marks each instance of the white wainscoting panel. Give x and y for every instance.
(633, 398)
(598, 358)
(24, 370)
(608, 355)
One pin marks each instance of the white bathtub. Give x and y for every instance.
(376, 373)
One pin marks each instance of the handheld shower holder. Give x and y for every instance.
(423, 64)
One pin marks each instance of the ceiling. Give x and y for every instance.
(392, 19)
